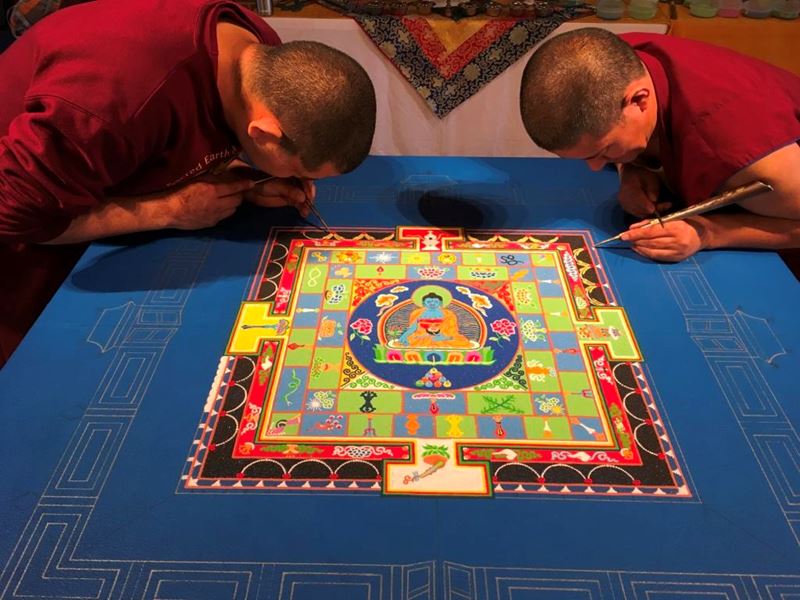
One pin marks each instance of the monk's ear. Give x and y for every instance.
(266, 128)
(640, 98)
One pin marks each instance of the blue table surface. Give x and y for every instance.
(90, 501)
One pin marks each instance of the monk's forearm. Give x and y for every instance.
(118, 216)
(747, 230)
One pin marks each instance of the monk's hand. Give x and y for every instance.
(299, 193)
(672, 242)
(202, 203)
(638, 191)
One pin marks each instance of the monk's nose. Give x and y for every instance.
(595, 164)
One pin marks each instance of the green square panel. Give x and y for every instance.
(359, 424)
(300, 347)
(314, 277)
(578, 406)
(380, 272)
(499, 403)
(325, 368)
(351, 401)
(574, 383)
(547, 428)
(556, 314)
(481, 259)
(543, 259)
(526, 297)
(540, 371)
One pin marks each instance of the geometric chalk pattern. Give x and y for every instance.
(462, 582)
(133, 337)
(737, 347)
(432, 362)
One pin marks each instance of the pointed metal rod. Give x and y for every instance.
(316, 212)
(311, 205)
(723, 199)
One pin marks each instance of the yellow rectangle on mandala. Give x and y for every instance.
(415, 258)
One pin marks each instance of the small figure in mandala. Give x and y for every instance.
(433, 326)
(430, 241)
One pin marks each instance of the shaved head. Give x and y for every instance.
(574, 85)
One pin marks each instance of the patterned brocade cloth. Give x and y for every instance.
(446, 61)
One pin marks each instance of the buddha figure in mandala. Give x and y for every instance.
(433, 326)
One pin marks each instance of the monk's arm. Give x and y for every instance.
(774, 217)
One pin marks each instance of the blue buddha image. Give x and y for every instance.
(433, 326)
